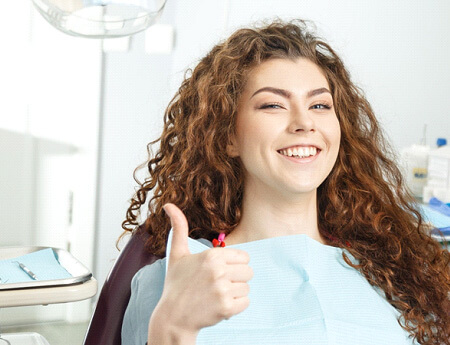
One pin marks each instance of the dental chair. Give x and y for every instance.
(106, 322)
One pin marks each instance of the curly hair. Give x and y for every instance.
(363, 205)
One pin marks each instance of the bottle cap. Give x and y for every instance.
(441, 142)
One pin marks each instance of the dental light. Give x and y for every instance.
(100, 18)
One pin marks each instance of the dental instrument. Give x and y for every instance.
(26, 270)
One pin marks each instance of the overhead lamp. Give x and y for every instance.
(100, 18)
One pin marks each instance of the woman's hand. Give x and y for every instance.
(202, 289)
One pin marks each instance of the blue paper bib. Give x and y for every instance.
(303, 292)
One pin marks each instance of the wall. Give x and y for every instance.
(135, 95)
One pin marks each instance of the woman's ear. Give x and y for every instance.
(232, 149)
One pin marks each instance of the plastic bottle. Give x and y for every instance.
(438, 183)
(415, 162)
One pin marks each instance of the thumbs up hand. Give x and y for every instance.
(202, 289)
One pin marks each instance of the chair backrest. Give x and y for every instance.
(106, 322)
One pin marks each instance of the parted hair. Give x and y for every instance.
(363, 205)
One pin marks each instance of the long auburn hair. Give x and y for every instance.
(363, 204)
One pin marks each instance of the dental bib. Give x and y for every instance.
(303, 292)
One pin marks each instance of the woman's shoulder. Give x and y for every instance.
(152, 269)
(157, 268)
(149, 280)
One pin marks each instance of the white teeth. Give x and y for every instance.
(301, 152)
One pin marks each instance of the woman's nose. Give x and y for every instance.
(301, 121)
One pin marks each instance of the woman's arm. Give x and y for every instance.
(162, 332)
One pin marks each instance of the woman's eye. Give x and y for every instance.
(271, 106)
(321, 106)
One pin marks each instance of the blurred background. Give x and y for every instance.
(76, 114)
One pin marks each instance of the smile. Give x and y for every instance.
(300, 151)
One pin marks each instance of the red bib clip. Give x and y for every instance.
(220, 242)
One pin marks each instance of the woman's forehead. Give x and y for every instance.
(295, 74)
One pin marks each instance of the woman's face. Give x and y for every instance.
(286, 108)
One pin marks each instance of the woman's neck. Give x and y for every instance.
(266, 216)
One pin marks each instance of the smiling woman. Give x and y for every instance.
(269, 142)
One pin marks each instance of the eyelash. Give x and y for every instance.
(272, 105)
(325, 106)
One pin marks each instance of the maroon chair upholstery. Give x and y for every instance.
(106, 323)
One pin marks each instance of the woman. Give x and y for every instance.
(269, 142)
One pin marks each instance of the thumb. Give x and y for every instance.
(180, 231)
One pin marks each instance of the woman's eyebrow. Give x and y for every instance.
(287, 94)
(281, 92)
(317, 92)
